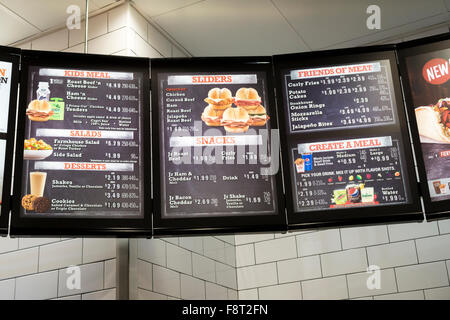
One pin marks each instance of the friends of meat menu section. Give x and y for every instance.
(345, 146)
(215, 145)
(82, 147)
(428, 76)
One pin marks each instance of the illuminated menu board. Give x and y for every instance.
(426, 74)
(345, 137)
(9, 69)
(83, 146)
(214, 146)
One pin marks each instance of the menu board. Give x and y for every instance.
(427, 79)
(215, 143)
(343, 134)
(83, 142)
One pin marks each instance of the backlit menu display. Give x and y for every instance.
(215, 144)
(83, 144)
(344, 141)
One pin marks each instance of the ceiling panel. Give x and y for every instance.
(327, 22)
(45, 14)
(14, 27)
(97, 4)
(233, 27)
(156, 7)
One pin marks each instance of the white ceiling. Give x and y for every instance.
(24, 18)
(245, 27)
(260, 27)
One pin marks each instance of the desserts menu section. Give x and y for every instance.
(344, 141)
(428, 75)
(215, 145)
(82, 144)
(363, 92)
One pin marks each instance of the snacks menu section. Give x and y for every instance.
(428, 77)
(339, 97)
(344, 140)
(354, 172)
(215, 145)
(82, 149)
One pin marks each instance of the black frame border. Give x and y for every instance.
(82, 226)
(349, 216)
(208, 225)
(433, 209)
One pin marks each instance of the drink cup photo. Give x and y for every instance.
(37, 183)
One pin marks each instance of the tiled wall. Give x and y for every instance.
(32, 268)
(414, 259)
(183, 268)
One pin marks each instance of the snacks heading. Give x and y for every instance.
(335, 71)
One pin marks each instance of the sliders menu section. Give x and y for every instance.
(215, 145)
(345, 145)
(83, 141)
(425, 69)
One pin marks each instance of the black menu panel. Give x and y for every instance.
(216, 152)
(9, 72)
(85, 128)
(426, 80)
(344, 138)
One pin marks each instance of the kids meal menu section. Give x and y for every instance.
(82, 145)
(345, 146)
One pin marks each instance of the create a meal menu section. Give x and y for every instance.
(345, 148)
(215, 143)
(82, 154)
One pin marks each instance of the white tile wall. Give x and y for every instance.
(109, 294)
(98, 249)
(7, 289)
(8, 244)
(433, 249)
(438, 294)
(166, 281)
(325, 289)
(203, 267)
(250, 238)
(144, 275)
(153, 250)
(363, 236)
(215, 292)
(55, 41)
(250, 294)
(60, 254)
(214, 248)
(110, 274)
(245, 255)
(194, 244)
(192, 288)
(393, 254)
(226, 275)
(34, 242)
(179, 259)
(318, 242)
(92, 279)
(257, 276)
(299, 269)
(268, 251)
(422, 276)
(149, 295)
(19, 263)
(37, 286)
(289, 291)
(407, 231)
(444, 226)
(109, 43)
(412, 295)
(357, 284)
(343, 262)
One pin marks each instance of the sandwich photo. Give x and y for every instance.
(248, 98)
(433, 121)
(235, 120)
(212, 117)
(258, 116)
(219, 99)
(39, 110)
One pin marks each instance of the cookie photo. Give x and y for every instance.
(27, 202)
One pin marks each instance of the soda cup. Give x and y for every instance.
(308, 161)
(353, 193)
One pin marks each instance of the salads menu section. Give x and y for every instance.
(425, 68)
(344, 140)
(215, 145)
